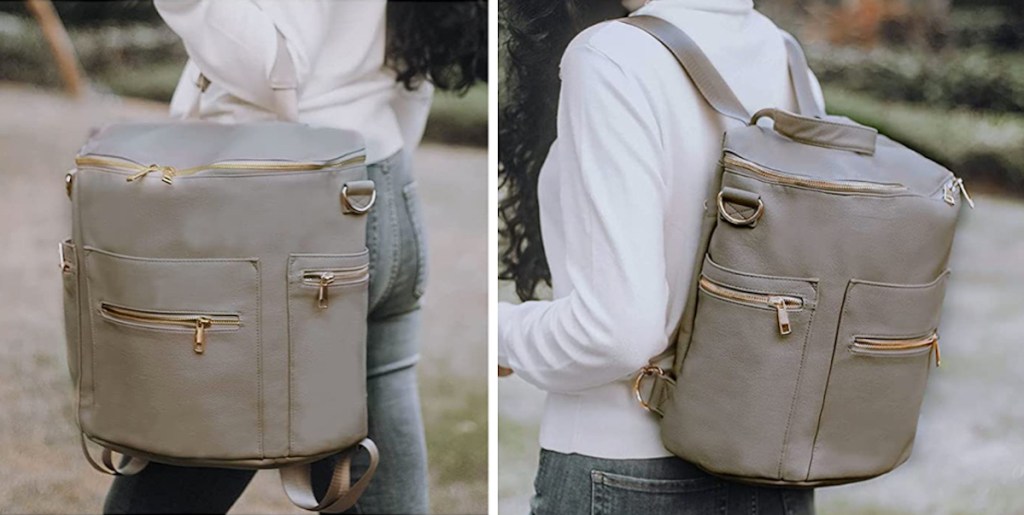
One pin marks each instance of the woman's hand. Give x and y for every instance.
(503, 372)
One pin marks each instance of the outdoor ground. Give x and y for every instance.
(42, 470)
(969, 454)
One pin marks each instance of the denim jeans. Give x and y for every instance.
(570, 484)
(397, 275)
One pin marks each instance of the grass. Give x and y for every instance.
(975, 145)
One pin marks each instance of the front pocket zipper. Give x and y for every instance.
(782, 304)
(734, 161)
(168, 173)
(199, 323)
(324, 280)
(900, 347)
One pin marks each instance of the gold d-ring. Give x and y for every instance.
(647, 371)
(352, 207)
(750, 221)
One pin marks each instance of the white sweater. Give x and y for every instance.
(338, 49)
(621, 198)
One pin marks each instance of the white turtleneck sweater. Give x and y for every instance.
(621, 197)
(338, 50)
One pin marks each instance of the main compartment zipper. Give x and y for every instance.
(199, 323)
(782, 304)
(881, 345)
(324, 280)
(733, 161)
(168, 173)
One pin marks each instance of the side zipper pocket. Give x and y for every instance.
(324, 280)
(782, 304)
(198, 323)
(884, 347)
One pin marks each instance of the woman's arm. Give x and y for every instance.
(608, 161)
(233, 43)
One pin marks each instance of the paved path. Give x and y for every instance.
(42, 469)
(969, 455)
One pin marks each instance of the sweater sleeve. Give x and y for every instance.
(608, 162)
(233, 43)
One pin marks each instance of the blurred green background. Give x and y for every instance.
(946, 78)
(127, 53)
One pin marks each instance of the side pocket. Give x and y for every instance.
(72, 336)
(884, 351)
(734, 394)
(412, 205)
(327, 310)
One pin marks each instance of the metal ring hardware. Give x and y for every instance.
(647, 371)
(352, 207)
(749, 221)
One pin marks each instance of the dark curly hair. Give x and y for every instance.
(534, 34)
(442, 42)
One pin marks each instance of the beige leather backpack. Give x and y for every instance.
(811, 327)
(215, 290)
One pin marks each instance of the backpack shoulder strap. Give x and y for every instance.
(703, 74)
(800, 76)
(711, 84)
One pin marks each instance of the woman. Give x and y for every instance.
(618, 198)
(364, 65)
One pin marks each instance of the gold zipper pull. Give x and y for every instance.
(169, 172)
(938, 355)
(143, 173)
(963, 192)
(326, 279)
(779, 304)
(202, 324)
(947, 192)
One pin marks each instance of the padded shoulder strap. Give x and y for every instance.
(707, 79)
(703, 74)
(800, 76)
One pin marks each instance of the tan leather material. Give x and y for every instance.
(216, 307)
(340, 495)
(829, 133)
(803, 352)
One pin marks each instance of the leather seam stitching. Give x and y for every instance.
(796, 391)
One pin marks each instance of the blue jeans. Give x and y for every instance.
(570, 484)
(397, 276)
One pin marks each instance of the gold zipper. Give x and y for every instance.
(731, 160)
(198, 322)
(878, 344)
(783, 304)
(168, 173)
(323, 280)
(951, 186)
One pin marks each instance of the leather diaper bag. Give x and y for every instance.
(811, 325)
(216, 301)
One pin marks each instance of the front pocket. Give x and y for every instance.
(734, 393)
(883, 354)
(175, 355)
(198, 324)
(327, 311)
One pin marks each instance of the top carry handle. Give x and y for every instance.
(807, 127)
(708, 81)
(283, 81)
